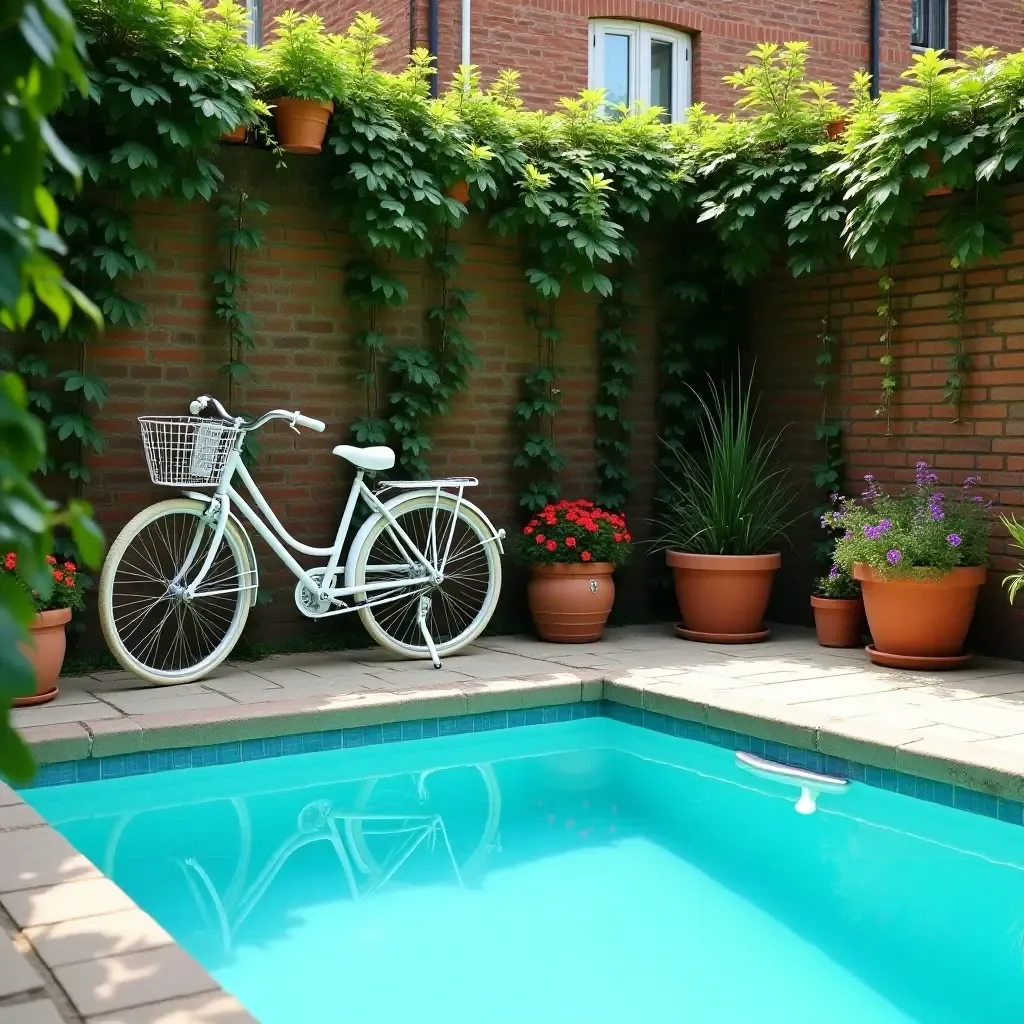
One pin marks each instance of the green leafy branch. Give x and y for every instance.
(616, 346)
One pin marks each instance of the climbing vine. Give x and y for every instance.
(958, 362)
(886, 284)
(539, 458)
(828, 430)
(616, 346)
(229, 283)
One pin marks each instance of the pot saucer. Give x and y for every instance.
(922, 663)
(36, 698)
(722, 638)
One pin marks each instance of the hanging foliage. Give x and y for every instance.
(616, 347)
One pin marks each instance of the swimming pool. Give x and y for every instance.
(583, 871)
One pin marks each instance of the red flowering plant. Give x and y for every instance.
(68, 588)
(574, 532)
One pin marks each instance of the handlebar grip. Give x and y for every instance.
(311, 424)
(197, 406)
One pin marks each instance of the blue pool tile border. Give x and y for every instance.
(120, 766)
(944, 793)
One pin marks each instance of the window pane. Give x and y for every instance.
(661, 77)
(917, 31)
(616, 69)
(937, 24)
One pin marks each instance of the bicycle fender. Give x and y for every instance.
(396, 503)
(206, 499)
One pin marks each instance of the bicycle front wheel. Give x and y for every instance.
(460, 606)
(151, 628)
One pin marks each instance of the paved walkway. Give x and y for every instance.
(972, 716)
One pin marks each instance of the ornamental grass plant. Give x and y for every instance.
(731, 496)
(923, 531)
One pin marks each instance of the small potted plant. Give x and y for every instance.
(920, 558)
(227, 49)
(838, 609)
(301, 76)
(48, 642)
(572, 548)
(727, 506)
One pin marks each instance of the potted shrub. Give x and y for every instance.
(227, 50)
(727, 505)
(838, 609)
(920, 558)
(48, 642)
(301, 76)
(572, 548)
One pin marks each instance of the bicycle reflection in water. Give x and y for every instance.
(391, 819)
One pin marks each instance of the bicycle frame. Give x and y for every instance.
(277, 537)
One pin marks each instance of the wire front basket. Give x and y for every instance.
(187, 451)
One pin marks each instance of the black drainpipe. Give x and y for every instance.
(432, 42)
(876, 21)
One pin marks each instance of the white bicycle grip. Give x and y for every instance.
(309, 423)
(197, 406)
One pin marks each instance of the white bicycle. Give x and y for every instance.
(423, 571)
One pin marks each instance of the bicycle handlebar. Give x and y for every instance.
(295, 419)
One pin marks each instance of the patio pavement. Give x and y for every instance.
(788, 689)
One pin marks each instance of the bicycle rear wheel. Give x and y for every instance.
(151, 628)
(460, 606)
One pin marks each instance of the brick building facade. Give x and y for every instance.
(549, 41)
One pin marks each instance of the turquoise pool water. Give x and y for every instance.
(586, 871)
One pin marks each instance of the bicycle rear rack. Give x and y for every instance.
(451, 483)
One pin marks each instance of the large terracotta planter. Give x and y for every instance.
(570, 604)
(45, 653)
(838, 621)
(723, 598)
(919, 623)
(301, 124)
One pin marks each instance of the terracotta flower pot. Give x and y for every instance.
(935, 166)
(236, 136)
(570, 604)
(722, 598)
(919, 623)
(459, 192)
(46, 654)
(301, 124)
(838, 621)
(836, 129)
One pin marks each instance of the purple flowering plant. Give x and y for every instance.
(838, 585)
(922, 530)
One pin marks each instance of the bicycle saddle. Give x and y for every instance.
(367, 458)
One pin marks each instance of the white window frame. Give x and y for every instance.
(254, 33)
(641, 34)
(929, 42)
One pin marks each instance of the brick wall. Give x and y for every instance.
(305, 359)
(547, 39)
(990, 439)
